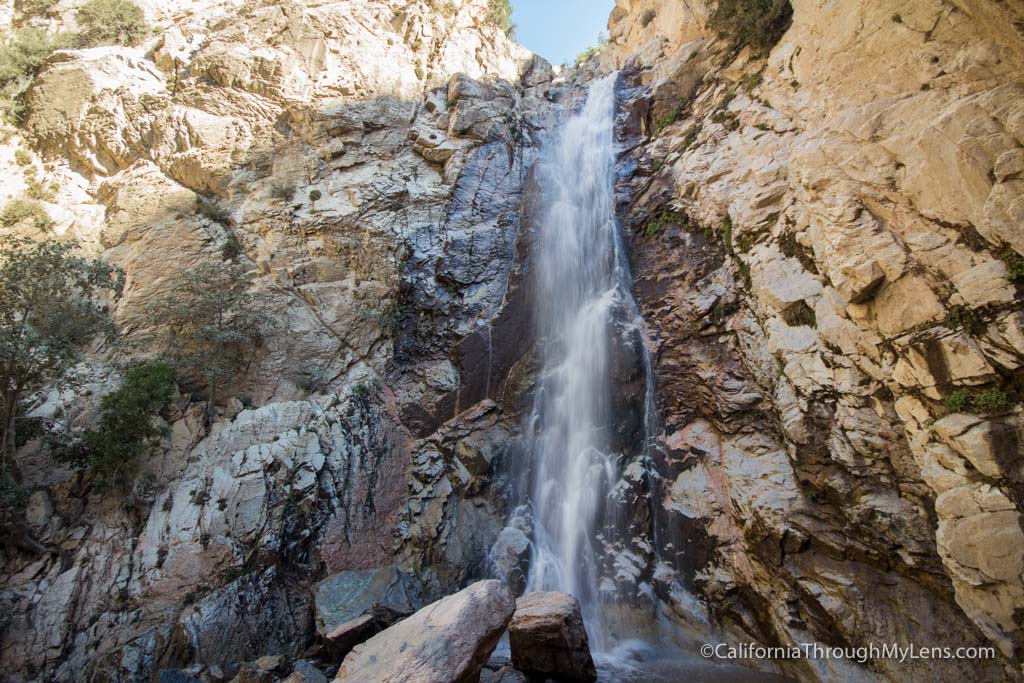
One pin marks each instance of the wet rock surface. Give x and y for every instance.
(548, 638)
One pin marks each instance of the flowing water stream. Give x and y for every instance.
(583, 300)
(588, 322)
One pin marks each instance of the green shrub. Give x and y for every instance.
(111, 22)
(35, 8)
(127, 425)
(991, 400)
(499, 13)
(758, 23)
(964, 318)
(23, 210)
(231, 248)
(40, 190)
(602, 40)
(22, 158)
(314, 195)
(21, 55)
(1014, 265)
(214, 210)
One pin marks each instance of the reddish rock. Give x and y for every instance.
(548, 638)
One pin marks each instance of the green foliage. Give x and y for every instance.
(750, 81)
(40, 190)
(602, 40)
(22, 158)
(49, 310)
(665, 218)
(727, 234)
(758, 23)
(127, 425)
(499, 13)
(231, 249)
(214, 210)
(209, 323)
(964, 318)
(314, 195)
(647, 17)
(282, 190)
(799, 313)
(1014, 265)
(21, 55)
(35, 8)
(991, 400)
(25, 211)
(111, 22)
(690, 136)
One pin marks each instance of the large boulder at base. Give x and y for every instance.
(548, 638)
(448, 641)
(353, 605)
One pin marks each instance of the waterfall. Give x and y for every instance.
(584, 308)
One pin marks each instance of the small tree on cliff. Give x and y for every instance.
(209, 323)
(50, 307)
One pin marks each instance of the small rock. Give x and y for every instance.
(548, 638)
(505, 674)
(305, 672)
(176, 676)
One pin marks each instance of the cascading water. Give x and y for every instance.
(583, 305)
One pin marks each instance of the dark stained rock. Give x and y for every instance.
(352, 606)
(548, 638)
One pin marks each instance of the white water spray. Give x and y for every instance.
(583, 283)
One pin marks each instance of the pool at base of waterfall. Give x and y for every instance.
(637, 661)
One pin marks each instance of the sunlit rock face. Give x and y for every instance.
(366, 161)
(826, 246)
(825, 242)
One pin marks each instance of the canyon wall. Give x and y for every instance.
(827, 243)
(362, 162)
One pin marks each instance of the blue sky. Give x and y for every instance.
(558, 30)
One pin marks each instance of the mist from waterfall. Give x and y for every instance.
(583, 293)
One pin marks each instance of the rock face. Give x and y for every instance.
(826, 244)
(364, 161)
(448, 641)
(548, 638)
(839, 389)
(353, 605)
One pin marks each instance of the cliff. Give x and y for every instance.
(823, 204)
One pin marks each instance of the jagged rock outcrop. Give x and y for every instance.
(826, 245)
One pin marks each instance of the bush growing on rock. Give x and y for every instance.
(35, 8)
(24, 211)
(758, 23)
(111, 22)
(21, 55)
(209, 324)
(127, 426)
(499, 13)
(50, 308)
